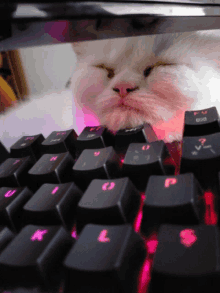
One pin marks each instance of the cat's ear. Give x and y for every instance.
(80, 48)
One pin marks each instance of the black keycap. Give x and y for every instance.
(34, 256)
(27, 146)
(12, 201)
(202, 122)
(174, 200)
(53, 204)
(51, 168)
(201, 156)
(60, 142)
(105, 258)
(96, 163)
(94, 137)
(186, 260)
(143, 160)
(142, 133)
(108, 202)
(13, 172)
(4, 154)
(6, 236)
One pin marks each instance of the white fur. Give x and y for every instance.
(191, 83)
(52, 112)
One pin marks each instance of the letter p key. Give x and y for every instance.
(170, 181)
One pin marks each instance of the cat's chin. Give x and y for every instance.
(127, 117)
(122, 117)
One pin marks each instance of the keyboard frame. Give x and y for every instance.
(36, 23)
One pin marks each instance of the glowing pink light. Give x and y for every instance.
(38, 235)
(188, 237)
(146, 147)
(211, 217)
(108, 186)
(170, 181)
(55, 190)
(203, 112)
(53, 158)
(145, 276)
(10, 193)
(152, 245)
(103, 236)
(202, 140)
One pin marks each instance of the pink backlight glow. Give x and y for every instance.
(188, 237)
(211, 217)
(170, 181)
(74, 233)
(9, 193)
(145, 272)
(138, 219)
(103, 236)
(145, 147)
(53, 158)
(55, 190)
(38, 235)
(85, 118)
(203, 112)
(108, 186)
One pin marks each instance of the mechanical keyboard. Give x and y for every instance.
(102, 212)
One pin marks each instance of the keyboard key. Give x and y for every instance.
(51, 168)
(128, 218)
(34, 256)
(174, 200)
(12, 201)
(143, 133)
(108, 202)
(13, 172)
(94, 137)
(52, 204)
(105, 258)
(202, 122)
(201, 156)
(186, 259)
(4, 154)
(6, 236)
(96, 164)
(27, 146)
(60, 142)
(143, 160)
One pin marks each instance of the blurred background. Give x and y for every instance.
(32, 72)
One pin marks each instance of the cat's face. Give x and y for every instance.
(153, 79)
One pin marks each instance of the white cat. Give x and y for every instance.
(125, 82)
(153, 79)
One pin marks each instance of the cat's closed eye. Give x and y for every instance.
(148, 70)
(110, 71)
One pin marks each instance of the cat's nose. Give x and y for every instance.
(124, 89)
